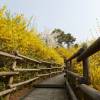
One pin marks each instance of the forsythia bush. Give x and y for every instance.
(66, 52)
(15, 35)
(95, 70)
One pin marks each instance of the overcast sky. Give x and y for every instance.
(74, 16)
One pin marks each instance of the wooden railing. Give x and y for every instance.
(38, 70)
(77, 85)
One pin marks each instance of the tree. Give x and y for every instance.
(63, 38)
(76, 45)
(59, 31)
(58, 34)
(68, 39)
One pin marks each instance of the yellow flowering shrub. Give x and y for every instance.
(95, 70)
(66, 52)
(16, 36)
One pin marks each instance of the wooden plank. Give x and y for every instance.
(9, 55)
(56, 72)
(71, 92)
(8, 73)
(23, 83)
(74, 74)
(58, 86)
(90, 92)
(49, 63)
(29, 59)
(90, 50)
(76, 54)
(46, 62)
(2, 93)
(36, 61)
(49, 73)
(41, 75)
(56, 92)
(21, 70)
(86, 74)
(51, 68)
(45, 68)
(77, 78)
(25, 70)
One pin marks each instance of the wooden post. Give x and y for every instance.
(37, 72)
(66, 68)
(70, 66)
(86, 71)
(50, 71)
(10, 81)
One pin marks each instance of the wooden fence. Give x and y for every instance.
(77, 85)
(38, 68)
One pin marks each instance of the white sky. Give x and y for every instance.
(74, 16)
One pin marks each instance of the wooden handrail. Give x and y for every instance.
(35, 61)
(28, 59)
(7, 91)
(25, 70)
(36, 69)
(9, 55)
(94, 94)
(8, 73)
(51, 68)
(14, 70)
(75, 75)
(90, 50)
(23, 83)
(82, 55)
(56, 72)
(71, 92)
(76, 54)
(41, 75)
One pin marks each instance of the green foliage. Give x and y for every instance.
(63, 38)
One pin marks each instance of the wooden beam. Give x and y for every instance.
(2, 93)
(71, 92)
(23, 83)
(25, 70)
(8, 73)
(90, 92)
(90, 50)
(9, 55)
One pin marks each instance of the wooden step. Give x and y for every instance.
(49, 85)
